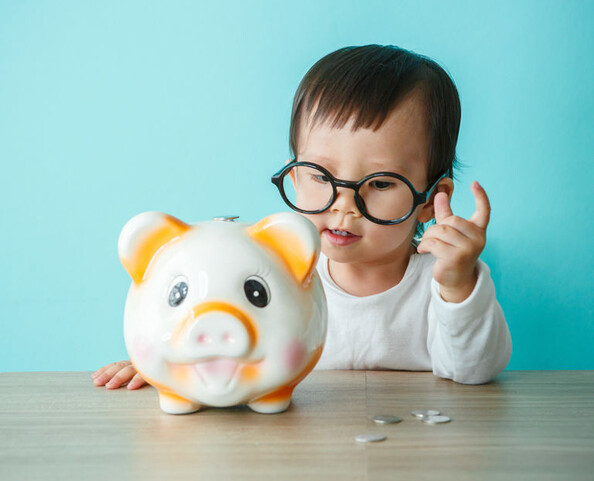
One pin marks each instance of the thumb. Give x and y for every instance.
(441, 204)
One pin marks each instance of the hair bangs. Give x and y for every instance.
(363, 100)
(362, 84)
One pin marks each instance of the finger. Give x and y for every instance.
(136, 382)
(107, 374)
(437, 247)
(448, 234)
(121, 377)
(103, 369)
(441, 205)
(482, 214)
(109, 371)
(100, 371)
(465, 227)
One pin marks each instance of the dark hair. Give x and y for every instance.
(367, 82)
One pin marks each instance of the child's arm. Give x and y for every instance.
(117, 374)
(468, 340)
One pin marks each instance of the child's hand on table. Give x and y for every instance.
(457, 244)
(117, 374)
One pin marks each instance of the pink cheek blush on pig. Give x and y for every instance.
(141, 349)
(295, 354)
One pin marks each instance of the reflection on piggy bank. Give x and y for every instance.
(221, 313)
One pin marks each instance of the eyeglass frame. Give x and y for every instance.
(418, 197)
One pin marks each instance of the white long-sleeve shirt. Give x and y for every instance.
(410, 327)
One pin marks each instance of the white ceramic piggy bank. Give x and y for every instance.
(222, 313)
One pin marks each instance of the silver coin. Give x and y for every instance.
(369, 438)
(436, 419)
(424, 413)
(385, 419)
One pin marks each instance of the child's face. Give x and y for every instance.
(400, 145)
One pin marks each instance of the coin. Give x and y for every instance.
(424, 413)
(386, 419)
(369, 438)
(436, 419)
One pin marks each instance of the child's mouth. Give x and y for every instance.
(339, 237)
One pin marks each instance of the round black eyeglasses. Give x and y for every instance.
(384, 198)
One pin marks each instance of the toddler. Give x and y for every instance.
(373, 132)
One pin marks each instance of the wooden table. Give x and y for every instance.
(526, 425)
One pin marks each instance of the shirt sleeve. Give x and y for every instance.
(469, 341)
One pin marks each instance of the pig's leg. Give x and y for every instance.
(174, 404)
(275, 402)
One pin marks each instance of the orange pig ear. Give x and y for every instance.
(294, 238)
(143, 236)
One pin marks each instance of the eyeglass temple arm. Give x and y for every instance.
(429, 191)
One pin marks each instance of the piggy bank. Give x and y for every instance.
(222, 313)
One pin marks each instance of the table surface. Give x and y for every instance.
(524, 425)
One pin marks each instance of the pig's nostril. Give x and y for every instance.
(228, 338)
(204, 339)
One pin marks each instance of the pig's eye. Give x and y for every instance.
(256, 291)
(178, 293)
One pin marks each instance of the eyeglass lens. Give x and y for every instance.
(385, 197)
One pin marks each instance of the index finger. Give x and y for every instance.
(482, 214)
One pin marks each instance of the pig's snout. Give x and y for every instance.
(217, 334)
(218, 329)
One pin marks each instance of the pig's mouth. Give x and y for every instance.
(217, 374)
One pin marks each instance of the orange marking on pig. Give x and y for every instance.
(162, 388)
(286, 246)
(214, 306)
(181, 373)
(285, 392)
(174, 397)
(138, 264)
(250, 372)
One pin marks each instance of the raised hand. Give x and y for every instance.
(457, 244)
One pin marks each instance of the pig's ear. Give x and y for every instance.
(143, 236)
(294, 238)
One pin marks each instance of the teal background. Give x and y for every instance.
(110, 108)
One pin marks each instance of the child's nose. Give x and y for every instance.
(345, 202)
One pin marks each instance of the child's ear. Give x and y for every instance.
(427, 211)
(294, 239)
(143, 236)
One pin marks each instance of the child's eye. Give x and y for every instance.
(322, 179)
(381, 184)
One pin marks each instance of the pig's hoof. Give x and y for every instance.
(270, 407)
(172, 404)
